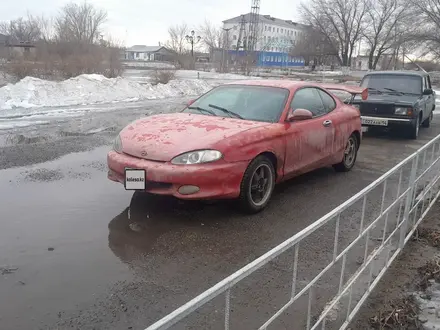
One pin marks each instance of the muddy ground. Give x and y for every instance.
(404, 279)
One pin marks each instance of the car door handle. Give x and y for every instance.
(327, 123)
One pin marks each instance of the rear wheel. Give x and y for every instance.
(350, 155)
(427, 122)
(257, 185)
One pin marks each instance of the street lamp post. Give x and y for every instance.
(225, 50)
(193, 39)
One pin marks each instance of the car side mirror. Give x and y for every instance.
(299, 114)
(427, 91)
(190, 102)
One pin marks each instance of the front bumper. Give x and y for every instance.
(215, 180)
(391, 122)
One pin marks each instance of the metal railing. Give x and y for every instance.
(390, 208)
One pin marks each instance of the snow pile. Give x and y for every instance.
(90, 89)
(5, 78)
(182, 87)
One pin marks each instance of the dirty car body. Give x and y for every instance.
(236, 139)
(402, 100)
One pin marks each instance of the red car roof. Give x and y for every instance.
(271, 83)
(293, 84)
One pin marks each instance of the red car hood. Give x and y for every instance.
(163, 137)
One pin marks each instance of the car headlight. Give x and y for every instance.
(403, 111)
(117, 144)
(197, 157)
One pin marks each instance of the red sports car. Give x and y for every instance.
(238, 140)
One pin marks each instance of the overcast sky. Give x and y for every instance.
(146, 21)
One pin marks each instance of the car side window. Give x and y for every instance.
(308, 98)
(429, 81)
(327, 100)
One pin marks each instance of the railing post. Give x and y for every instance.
(409, 200)
(227, 308)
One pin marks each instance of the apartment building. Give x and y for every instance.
(276, 37)
(275, 34)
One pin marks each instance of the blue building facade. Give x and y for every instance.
(272, 59)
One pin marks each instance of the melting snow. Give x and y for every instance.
(92, 88)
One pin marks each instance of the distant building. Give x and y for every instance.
(149, 53)
(202, 57)
(274, 34)
(359, 63)
(276, 37)
(22, 48)
(11, 48)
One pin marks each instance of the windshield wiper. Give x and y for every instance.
(394, 91)
(229, 112)
(203, 110)
(375, 90)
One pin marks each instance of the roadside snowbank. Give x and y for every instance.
(5, 79)
(89, 89)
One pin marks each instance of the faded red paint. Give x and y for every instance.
(166, 136)
(298, 147)
(347, 88)
(218, 180)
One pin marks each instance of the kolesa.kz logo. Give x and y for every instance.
(135, 179)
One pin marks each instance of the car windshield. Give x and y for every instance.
(257, 103)
(392, 83)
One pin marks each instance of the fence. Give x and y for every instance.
(381, 219)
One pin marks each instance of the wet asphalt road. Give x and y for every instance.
(79, 252)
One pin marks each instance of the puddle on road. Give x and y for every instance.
(53, 231)
(133, 233)
(65, 236)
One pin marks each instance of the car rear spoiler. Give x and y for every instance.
(353, 90)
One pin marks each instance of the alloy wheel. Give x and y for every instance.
(350, 152)
(261, 184)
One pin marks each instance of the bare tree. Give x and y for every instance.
(339, 21)
(314, 47)
(212, 36)
(80, 23)
(428, 12)
(67, 45)
(380, 33)
(46, 25)
(22, 29)
(177, 41)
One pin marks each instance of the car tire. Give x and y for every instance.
(258, 179)
(414, 132)
(427, 122)
(350, 155)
